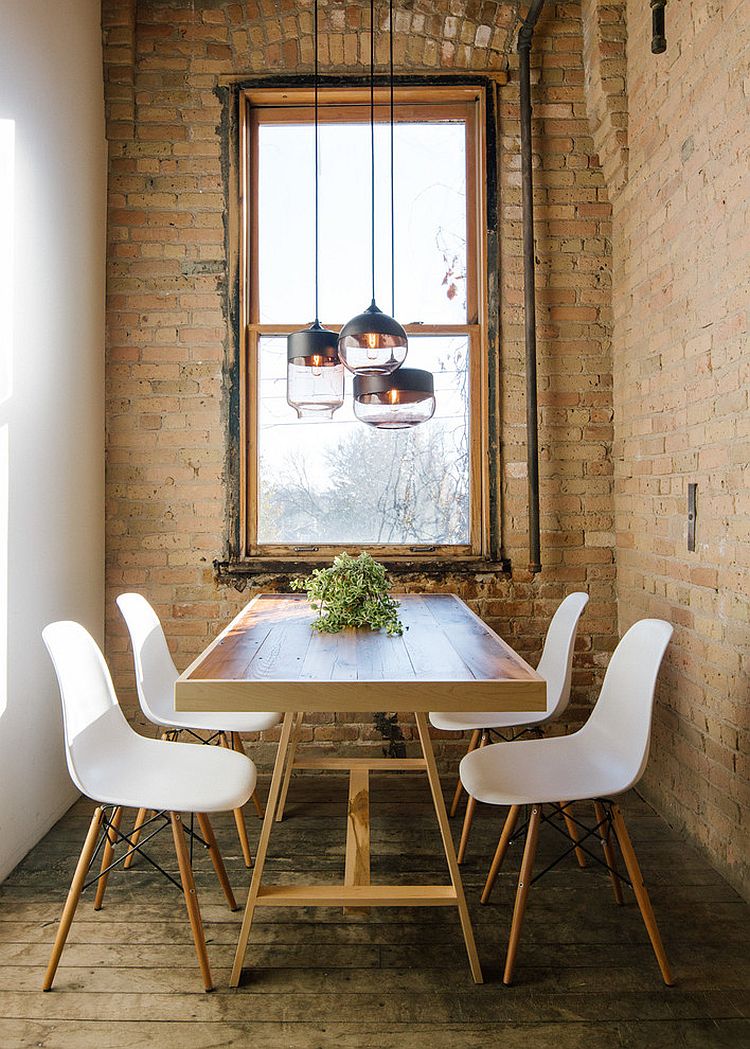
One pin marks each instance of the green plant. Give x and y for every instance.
(352, 592)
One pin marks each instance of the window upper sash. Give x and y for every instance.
(276, 106)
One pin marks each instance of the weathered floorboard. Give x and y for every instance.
(392, 979)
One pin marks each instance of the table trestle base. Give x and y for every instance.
(356, 894)
(369, 764)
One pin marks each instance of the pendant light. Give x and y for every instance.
(397, 401)
(404, 397)
(314, 373)
(372, 343)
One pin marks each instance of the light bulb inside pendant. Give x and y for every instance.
(372, 343)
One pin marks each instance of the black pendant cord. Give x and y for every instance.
(317, 205)
(372, 145)
(393, 205)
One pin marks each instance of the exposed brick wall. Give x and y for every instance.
(605, 64)
(681, 251)
(167, 338)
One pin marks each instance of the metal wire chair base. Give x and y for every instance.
(111, 830)
(588, 832)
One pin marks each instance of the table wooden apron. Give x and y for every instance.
(269, 658)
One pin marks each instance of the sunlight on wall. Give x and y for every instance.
(3, 568)
(7, 157)
(7, 144)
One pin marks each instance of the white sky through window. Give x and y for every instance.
(338, 481)
(430, 198)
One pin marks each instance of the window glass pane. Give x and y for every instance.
(430, 191)
(342, 482)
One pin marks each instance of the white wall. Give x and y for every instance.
(52, 407)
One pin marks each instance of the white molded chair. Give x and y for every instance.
(603, 759)
(555, 666)
(155, 675)
(116, 767)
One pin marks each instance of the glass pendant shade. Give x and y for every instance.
(314, 373)
(372, 343)
(394, 402)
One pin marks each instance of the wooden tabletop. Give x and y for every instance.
(270, 658)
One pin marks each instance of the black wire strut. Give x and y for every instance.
(108, 827)
(588, 833)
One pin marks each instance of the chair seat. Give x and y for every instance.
(231, 721)
(467, 721)
(152, 774)
(561, 768)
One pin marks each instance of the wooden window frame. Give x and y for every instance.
(471, 102)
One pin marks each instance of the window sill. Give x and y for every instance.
(263, 571)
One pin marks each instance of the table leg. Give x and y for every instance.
(450, 852)
(296, 734)
(260, 855)
(357, 868)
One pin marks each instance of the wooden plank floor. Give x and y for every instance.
(586, 976)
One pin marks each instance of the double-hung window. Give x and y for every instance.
(312, 488)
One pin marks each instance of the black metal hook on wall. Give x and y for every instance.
(658, 37)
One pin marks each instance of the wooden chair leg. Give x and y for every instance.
(74, 895)
(107, 855)
(608, 850)
(471, 805)
(459, 785)
(259, 811)
(641, 895)
(502, 847)
(524, 883)
(213, 850)
(239, 819)
(135, 835)
(227, 740)
(572, 832)
(296, 733)
(191, 898)
(239, 746)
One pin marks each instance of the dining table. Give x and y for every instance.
(270, 657)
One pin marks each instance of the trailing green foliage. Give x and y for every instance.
(353, 592)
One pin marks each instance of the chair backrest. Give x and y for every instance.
(556, 663)
(619, 728)
(94, 723)
(155, 672)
